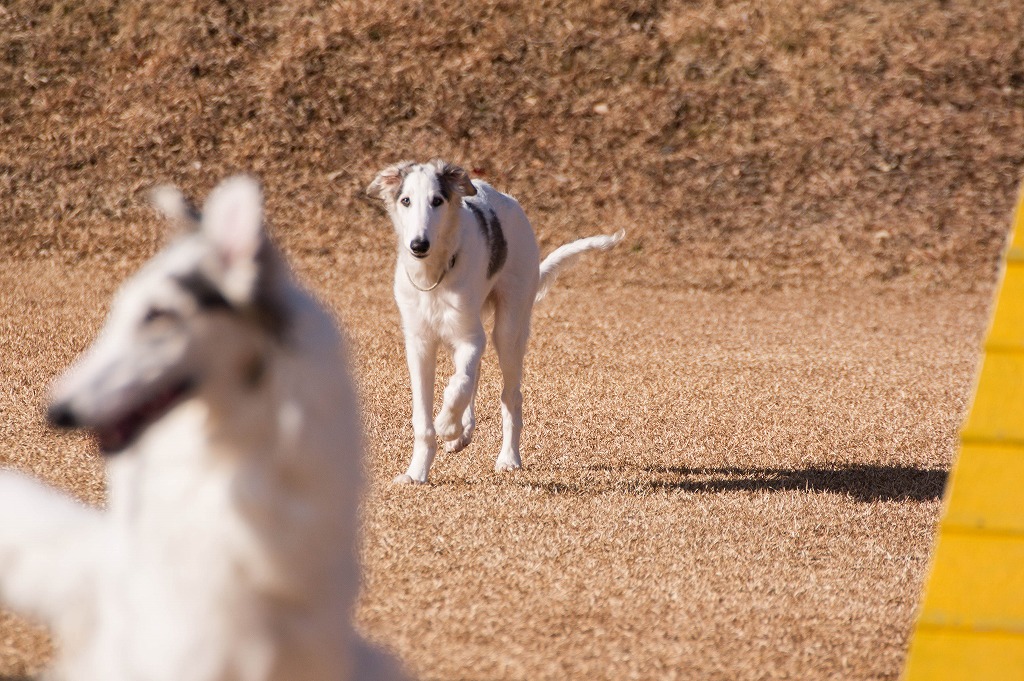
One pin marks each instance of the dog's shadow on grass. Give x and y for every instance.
(865, 483)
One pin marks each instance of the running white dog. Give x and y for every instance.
(228, 548)
(464, 247)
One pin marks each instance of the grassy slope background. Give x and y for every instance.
(738, 423)
(744, 144)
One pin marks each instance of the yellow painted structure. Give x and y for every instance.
(971, 624)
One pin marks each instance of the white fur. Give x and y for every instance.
(228, 548)
(446, 307)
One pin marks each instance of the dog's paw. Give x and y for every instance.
(448, 427)
(460, 444)
(406, 479)
(507, 464)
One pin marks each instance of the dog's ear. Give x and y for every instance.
(389, 181)
(233, 222)
(170, 202)
(454, 179)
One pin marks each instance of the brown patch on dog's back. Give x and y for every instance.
(490, 227)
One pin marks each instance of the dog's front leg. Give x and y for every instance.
(49, 548)
(421, 354)
(468, 424)
(461, 387)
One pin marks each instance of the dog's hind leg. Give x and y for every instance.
(511, 333)
(49, 547)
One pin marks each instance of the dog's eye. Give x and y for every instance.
(437, 201)
(405, 201)
(155, 313)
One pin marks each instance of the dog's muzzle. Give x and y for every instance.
(116, 434)
(419, 247)
(59, 415)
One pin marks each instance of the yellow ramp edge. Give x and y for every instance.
(977, 582)
(988, 489)
(953, 654)
(1007, 331)
(998, 412)
(971, 622)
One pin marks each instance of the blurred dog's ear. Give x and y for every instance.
(233, 221)
(174, 206)
(389, 181)
(454, 179)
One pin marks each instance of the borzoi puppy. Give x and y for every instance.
(463, 247)
(219, 392)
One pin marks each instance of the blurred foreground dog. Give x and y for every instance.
(464, 248)
(228, 550)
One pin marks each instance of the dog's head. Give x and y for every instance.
(418, 196)
(195, 319)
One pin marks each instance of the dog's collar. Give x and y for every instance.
(451, 264)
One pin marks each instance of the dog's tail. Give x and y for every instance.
(565, 255)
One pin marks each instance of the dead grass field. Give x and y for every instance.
(738, 425)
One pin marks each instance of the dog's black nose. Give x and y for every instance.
(419, 246)
(60, 416)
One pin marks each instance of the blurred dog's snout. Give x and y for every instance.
(59, 415)
(419, 246)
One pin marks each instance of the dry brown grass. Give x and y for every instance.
(717, 485)
(738, 425)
